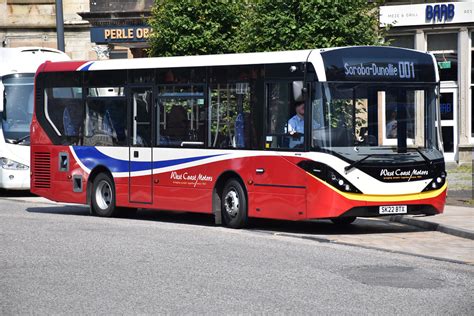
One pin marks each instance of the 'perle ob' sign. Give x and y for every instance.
(120, 34)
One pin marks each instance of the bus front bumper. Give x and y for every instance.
(327, 202)
(374, 211)
(14, 179)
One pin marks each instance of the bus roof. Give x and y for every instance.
(315, 56)
(185, 61)
(27, 59)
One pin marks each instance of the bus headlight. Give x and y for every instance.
(328, 175)
(339, 182)
(436, 183)
(9, 164)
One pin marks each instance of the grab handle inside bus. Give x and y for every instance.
(184, 144)
(298, 91)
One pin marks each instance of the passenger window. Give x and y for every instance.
(142, 103)
(230, 115)
(106, 117)
(181, 116)
(181, 75)
(285, 116)
(63, 108)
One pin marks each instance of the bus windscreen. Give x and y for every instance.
(17, 107)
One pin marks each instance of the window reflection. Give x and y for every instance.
(105, 122)
(347, 115)
(181, 116)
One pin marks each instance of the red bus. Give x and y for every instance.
(314, 134)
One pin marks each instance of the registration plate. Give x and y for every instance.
(393, 209)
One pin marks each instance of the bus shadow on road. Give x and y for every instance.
(15, 193)
(325, 227)
(313, 227)
(77, 210)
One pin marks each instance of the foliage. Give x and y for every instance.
(276, 25)
(189, 27)
(192, 27)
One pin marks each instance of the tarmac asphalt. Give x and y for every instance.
(56, 259)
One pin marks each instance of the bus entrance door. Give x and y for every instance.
(141, 147)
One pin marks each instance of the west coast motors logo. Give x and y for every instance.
(401, 174)
(190, 179)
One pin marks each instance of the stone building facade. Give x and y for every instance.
(33, 23)
(119, 26)
(445, 29)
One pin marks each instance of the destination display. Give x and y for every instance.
(391, 64)
(404, 69)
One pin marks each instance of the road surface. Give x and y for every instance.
(59, 260)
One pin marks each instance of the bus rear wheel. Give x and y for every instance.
(343, 221)
(234, 204)
(103, 196)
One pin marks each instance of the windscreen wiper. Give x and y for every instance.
(357, 162)
(19, 140)
(426, 159)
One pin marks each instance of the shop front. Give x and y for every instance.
(118, 28)
(446, 30)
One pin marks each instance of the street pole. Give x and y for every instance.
(60, 24)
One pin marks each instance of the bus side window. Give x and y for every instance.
(230, 115)
(285, 129)
(64, 108)
(105, 117)
(181, 116)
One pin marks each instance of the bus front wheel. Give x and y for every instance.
(103, 196)
(234, 204)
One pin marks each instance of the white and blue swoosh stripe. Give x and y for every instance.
(91, 157)
(116, 159)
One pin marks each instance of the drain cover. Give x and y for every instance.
(394, 276)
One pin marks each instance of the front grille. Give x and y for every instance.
(41, 170)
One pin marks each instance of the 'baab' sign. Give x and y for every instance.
(120, 34)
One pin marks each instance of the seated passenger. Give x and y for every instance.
(72, 120)
(392, 125)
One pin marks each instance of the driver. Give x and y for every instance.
(296, 125)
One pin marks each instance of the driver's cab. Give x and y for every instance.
(286, 115)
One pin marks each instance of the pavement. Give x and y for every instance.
(56, 259)
(456, 220)
(458, 217)
(460, 184)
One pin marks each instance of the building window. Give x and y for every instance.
(472, 111)
(30, 1)
(118, 54)
(472, 85)
(405, 41)
(444, 47)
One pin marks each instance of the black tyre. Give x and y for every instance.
(103, 196)
(234, 205)
(343, 221)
